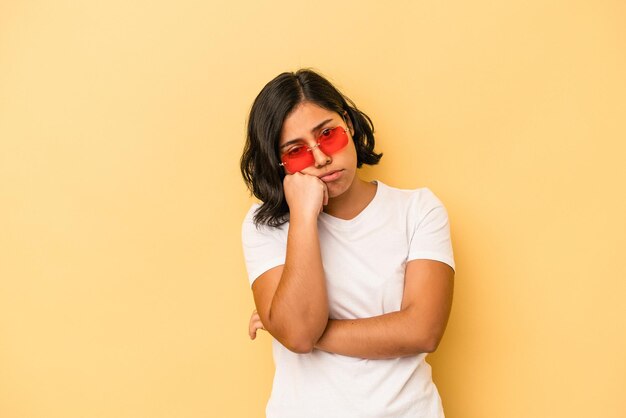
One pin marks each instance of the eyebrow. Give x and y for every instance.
(316, 128)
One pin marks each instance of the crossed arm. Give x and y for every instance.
(292, 301)
(416, 328)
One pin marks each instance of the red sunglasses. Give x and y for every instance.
(300, 157)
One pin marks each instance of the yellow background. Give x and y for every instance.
(123, 291)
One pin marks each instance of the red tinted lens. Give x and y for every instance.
(297, 159)
(333, 140)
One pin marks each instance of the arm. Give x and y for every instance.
(416, 328)
(291, 300)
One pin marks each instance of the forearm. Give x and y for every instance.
(396, 334)
(298, 313)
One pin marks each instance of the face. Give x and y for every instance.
(303, 127)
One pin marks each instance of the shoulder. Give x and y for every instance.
(420, 200)
(251, 231)
(427, 225)
(248, 221)
(250, 214)
(264, 247)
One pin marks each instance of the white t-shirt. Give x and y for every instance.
(364, 262)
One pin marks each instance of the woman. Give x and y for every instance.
(353, 279)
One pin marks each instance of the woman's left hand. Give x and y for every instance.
(255, 325)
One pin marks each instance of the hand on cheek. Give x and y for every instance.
(306, 195)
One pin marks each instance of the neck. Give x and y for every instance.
(351, 202)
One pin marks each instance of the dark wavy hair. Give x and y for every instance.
(260, 162)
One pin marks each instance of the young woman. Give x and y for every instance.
(353, 279)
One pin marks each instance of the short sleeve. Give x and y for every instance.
(430, 237)
(264, 247)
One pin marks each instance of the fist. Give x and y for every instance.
(305, 194)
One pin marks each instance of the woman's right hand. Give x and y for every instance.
(306, 195)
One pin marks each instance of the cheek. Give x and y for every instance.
(351, 154)
(348, 153)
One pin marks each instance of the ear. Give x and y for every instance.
(346, 118)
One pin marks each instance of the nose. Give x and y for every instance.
(320, 158)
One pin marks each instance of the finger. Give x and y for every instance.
(258, 325)
(254, 325)
(251, 331)
(325, 194)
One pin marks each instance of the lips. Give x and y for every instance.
(332, 176)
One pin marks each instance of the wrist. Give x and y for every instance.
(303, 218)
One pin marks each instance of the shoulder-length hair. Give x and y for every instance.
(260, 163)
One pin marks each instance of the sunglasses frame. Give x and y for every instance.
(318, 143)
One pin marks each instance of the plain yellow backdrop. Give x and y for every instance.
(123, 291)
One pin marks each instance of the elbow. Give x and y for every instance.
(426, 343)
(300, 337)
(429, 343)
(426, 338)
(302, 341)
(300, 345)
(300, 348)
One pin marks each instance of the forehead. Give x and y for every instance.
(303, 119)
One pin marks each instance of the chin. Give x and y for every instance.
(336, 190)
